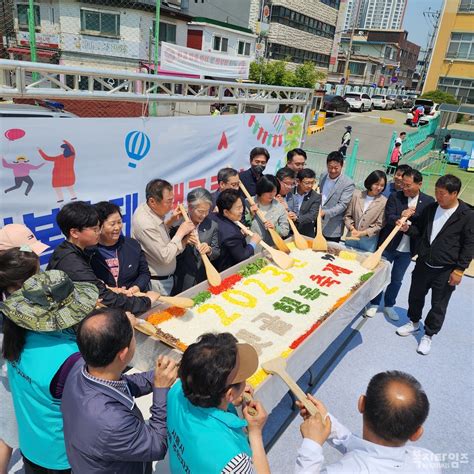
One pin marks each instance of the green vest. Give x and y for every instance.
(40, 422)
(202, 440)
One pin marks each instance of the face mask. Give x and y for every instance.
(258, 169)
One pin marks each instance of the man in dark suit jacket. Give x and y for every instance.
(445, 245)
(258, 161)
(410, 203)
(305, 202)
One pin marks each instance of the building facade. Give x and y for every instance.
(375, 14)
(451, 68)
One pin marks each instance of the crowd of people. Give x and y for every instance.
(68, 334)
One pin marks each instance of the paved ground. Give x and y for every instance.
(373, 136)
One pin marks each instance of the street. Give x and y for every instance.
(374, 136)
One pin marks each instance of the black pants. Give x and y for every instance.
(32, 468)
(424, 279)
(332, 239)
(19, 182)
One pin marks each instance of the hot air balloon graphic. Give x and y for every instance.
(137, 146)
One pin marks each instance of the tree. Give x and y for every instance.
(276, 73)
(440, 97)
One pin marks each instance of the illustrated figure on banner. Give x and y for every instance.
(63, 170)
(292, 135)
(21, 172)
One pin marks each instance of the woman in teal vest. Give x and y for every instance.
(38, 340)
(205, 434)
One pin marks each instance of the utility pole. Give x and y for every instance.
(434, 17)
(355, 23)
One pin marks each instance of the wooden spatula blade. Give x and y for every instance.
(179, 301)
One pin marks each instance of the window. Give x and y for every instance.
(243, 48)
(301, 22)
(466, 6)
(167, 32)
(462, 89)
(220, 44)
(461, 46)
(22, 10)
(100, 23)
(280, 51)
(357, 69)
(332, 3)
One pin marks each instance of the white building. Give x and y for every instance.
(375, 14)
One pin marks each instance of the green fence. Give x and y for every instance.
(413, 139)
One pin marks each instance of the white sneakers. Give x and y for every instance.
(391, 313)
(424, 346)
(371, 311)
(408, 328)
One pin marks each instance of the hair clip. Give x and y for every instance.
(26, 248)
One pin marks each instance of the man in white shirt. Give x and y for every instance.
(445, 245)
(151, 231)
(400, 139)
(393, 410)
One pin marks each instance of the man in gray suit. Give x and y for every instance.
(336, 192)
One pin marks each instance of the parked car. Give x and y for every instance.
(407, 101)
(34, 111)
(359, 101)
(381, 101)
(335, 103)
(397, 102)
(430, 111)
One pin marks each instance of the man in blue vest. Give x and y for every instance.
(205, 435)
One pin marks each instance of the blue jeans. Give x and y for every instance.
(400, 262)
(367, 244)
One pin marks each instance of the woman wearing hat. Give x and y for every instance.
(201, 411)
(19, 251)
(345, 141)
(39, 346)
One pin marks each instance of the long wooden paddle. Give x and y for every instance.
(213, 276)
(277, 240)
(373, 260)
(283, 260)
(278, 366)
(319, 243)
(300, 242)
(179, 301)
(147, 328)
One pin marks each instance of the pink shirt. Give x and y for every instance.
(20, 170)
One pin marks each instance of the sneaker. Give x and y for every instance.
(424, 346)
(391, 313)
(408, 328)
(371, 311)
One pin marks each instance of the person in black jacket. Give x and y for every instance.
(305, 202)
(445, 244)
(117, 260)
(410, 202)
(79, 222)
(234, 247)
(258, 161)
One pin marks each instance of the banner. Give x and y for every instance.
(47, 162)
(193, 61)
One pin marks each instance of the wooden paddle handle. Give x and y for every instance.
(260, 214)
(299, 394)
(292, 225)
(196, 233)
(392, 234)
(250, 234)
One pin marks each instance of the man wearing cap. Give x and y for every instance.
(205, 435)
(112, 436)
(38, 349)
(345, 141)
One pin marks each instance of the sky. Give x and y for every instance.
(415, 23)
